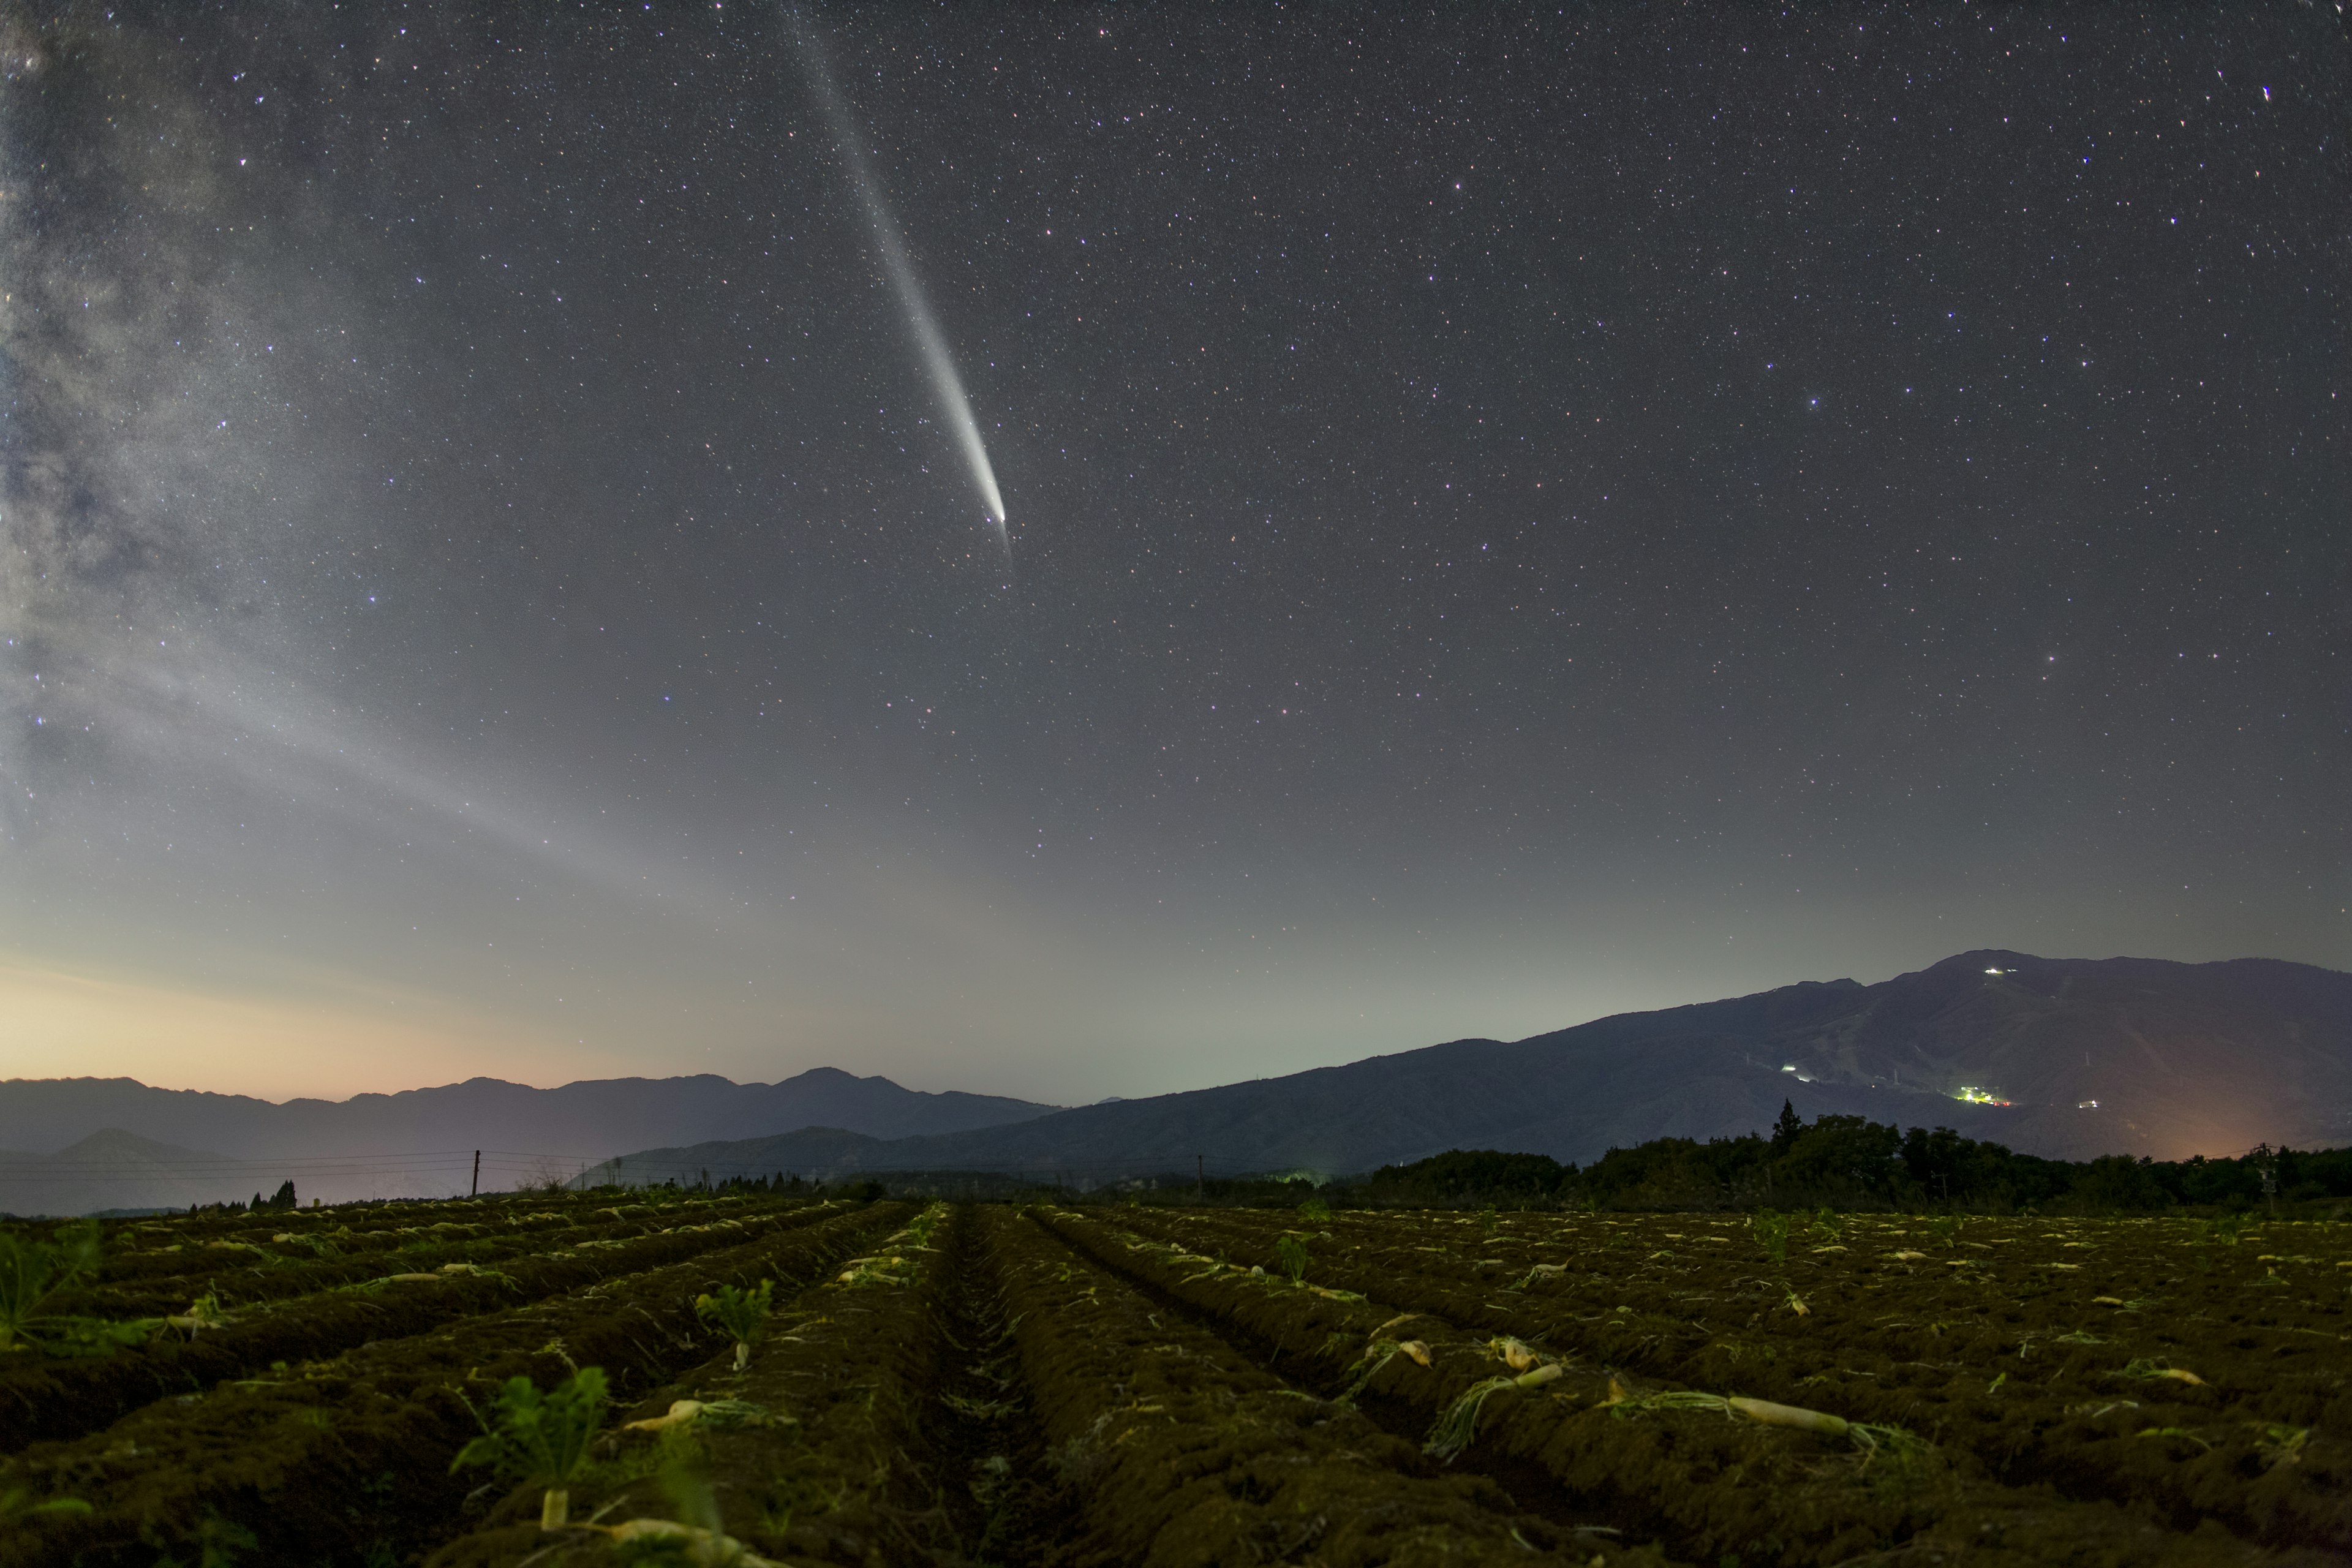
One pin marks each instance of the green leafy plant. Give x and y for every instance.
(1770, 1230)
(2279, 1445)
(2227, 1228)
(882, 1268)
(219, 1544)
(538, 1438)
(1458, 1427)
(1945, 1228)
(1829, 1223)
(203, 1312)
(1315, 1211)
(741, 1313)
(1292, 1252)
(95, 1336)
(16, 1503)
(32, 1273)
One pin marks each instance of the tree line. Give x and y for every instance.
(1850, 1161)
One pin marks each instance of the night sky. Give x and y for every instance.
(1506, 519)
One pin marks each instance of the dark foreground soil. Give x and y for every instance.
(2036, 1354)
(1702, 1483)
(345, 1460)
(988, 1385)
(55, 1399)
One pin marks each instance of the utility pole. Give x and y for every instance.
(475, 1190)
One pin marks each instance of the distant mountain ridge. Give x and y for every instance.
(2129, 1056)
(2094, 1056)
(113, 1169)
(574, 1124)
(590, 1116)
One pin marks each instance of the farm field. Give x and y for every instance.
(760, 1377)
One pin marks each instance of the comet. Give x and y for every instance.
(922, 323)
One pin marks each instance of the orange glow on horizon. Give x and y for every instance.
(329, 1036)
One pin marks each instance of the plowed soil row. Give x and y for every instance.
(130, 1241)
(244, 1275)
(2060, 1386)
(842, 1461)
(49, 1400)
(1186, 1452)
(898, 1431)
(192, 1254)
(1705, 1484)
(345, 1460)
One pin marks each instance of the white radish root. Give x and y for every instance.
(1802, 1420)
(680, 1410)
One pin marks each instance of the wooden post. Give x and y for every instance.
(475, 1190)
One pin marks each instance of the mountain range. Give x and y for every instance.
(2062, 1058)
(113, 1169)
(172, 1147)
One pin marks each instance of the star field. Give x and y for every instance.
(1510, 518)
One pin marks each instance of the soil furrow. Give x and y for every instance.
(51, 1400)
(1705, 1484)
(1970, 1363)
(345, 1460)
(1182, 1451)
(245, 1276)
